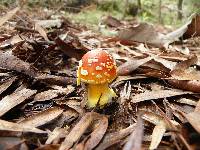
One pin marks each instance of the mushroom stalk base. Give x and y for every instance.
(99, 93)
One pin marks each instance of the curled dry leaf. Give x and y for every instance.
(146, 33)
(79, 129)
(42, 118)
(189, 29)
(71, 48)
(14, 99)
(10, 126)
(135, 139)
(161, 126)
(131, 65)
(193, 28)
(113, 138)
(189, 75)
(9, 15)
(158, 94)
(41, 31)
(193, 86)
(112, 22)
(181, 71)
(97, 134)
(185, 64)
(143, 32)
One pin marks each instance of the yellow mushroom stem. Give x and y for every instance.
(99, 93)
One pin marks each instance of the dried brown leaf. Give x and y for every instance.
(42, 118)
(143, 32)
(10, 62)
(10, 126)
(167, 63)
(135, 139)
(97, 134)
(186, 75)
(113, 138)
(49, 147)
(78, 130)
(7, 84)
(194, 117)
(161, 126)
(189, 29)
(11, 143)
(193, 85)
(185, 64)
(146, 33)
(181, 71)
(81, 127)
(131, 65)
(41, 31)
(149, 95)
(14, 99)
(71, 48)
(197, 108)
(112, 22)
(157, 135)
(194, 120)
(193, 28)
(9, 15)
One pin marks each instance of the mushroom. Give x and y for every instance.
(97, 68)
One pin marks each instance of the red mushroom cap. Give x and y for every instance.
(97, 67)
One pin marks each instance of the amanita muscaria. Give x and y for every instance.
(97, 68)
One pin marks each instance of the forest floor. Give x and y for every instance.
(41, 107)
